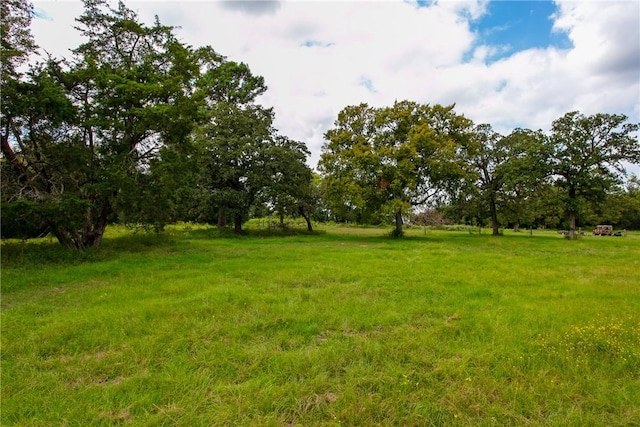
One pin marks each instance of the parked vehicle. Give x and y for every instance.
(603, 230)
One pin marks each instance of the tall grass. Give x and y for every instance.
(345, 327)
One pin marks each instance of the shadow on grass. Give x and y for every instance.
(47, 250)
(121, 241)
(228, 233)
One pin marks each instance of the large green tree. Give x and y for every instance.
(524, 176)
(290, 187)
(245, 163)
(504, 173)
(387, 160)
(588, 155)
(346, 163)
(235, 148)
(232, 140)
(83, 132)
(485, 154)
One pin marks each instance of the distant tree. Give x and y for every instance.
(311, 206)
(587, 155)
(629, 205)
(322, 211)
(235, 144)
(524, 176)
(247, 165)
(387, 160)
(621, 207)
(503, 175)
(289, 190)
(429, 218)
(486, 154)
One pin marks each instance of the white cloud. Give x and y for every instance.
(610, 45)
(319, 56)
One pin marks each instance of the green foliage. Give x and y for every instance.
(16, 46)
(234, 146)
(231, 83)
(85, 131)
(587, 155)
(244, 165)
(21, 220)
(17, 40)
(505, 176)
(386, 160)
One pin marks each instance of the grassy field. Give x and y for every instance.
(345, 327)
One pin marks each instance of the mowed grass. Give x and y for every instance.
(346, 327)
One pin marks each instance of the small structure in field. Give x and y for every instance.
(603, 230)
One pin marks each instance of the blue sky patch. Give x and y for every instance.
(316, 43)
(514, 26)
(40, 13)
(367, 84)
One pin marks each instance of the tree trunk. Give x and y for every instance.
(494, 217)
(573, 212)
(306, 217)
(222, 217)
(94, 238)
(94, 230)
(282, 220)
(572, 225)
(237, 224)
(62, 237)
(398, 230)
(91, 234)
(7, 150)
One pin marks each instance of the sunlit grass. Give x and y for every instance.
(342, 327)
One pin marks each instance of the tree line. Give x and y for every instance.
(139, 128)
(392, 161)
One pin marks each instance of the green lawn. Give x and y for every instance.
(346, 327)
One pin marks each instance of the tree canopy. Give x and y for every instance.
(383, 161)
(88, 138)
(587, 155)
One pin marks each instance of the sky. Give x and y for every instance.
(507, 63)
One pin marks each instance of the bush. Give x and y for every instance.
(20, 220)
